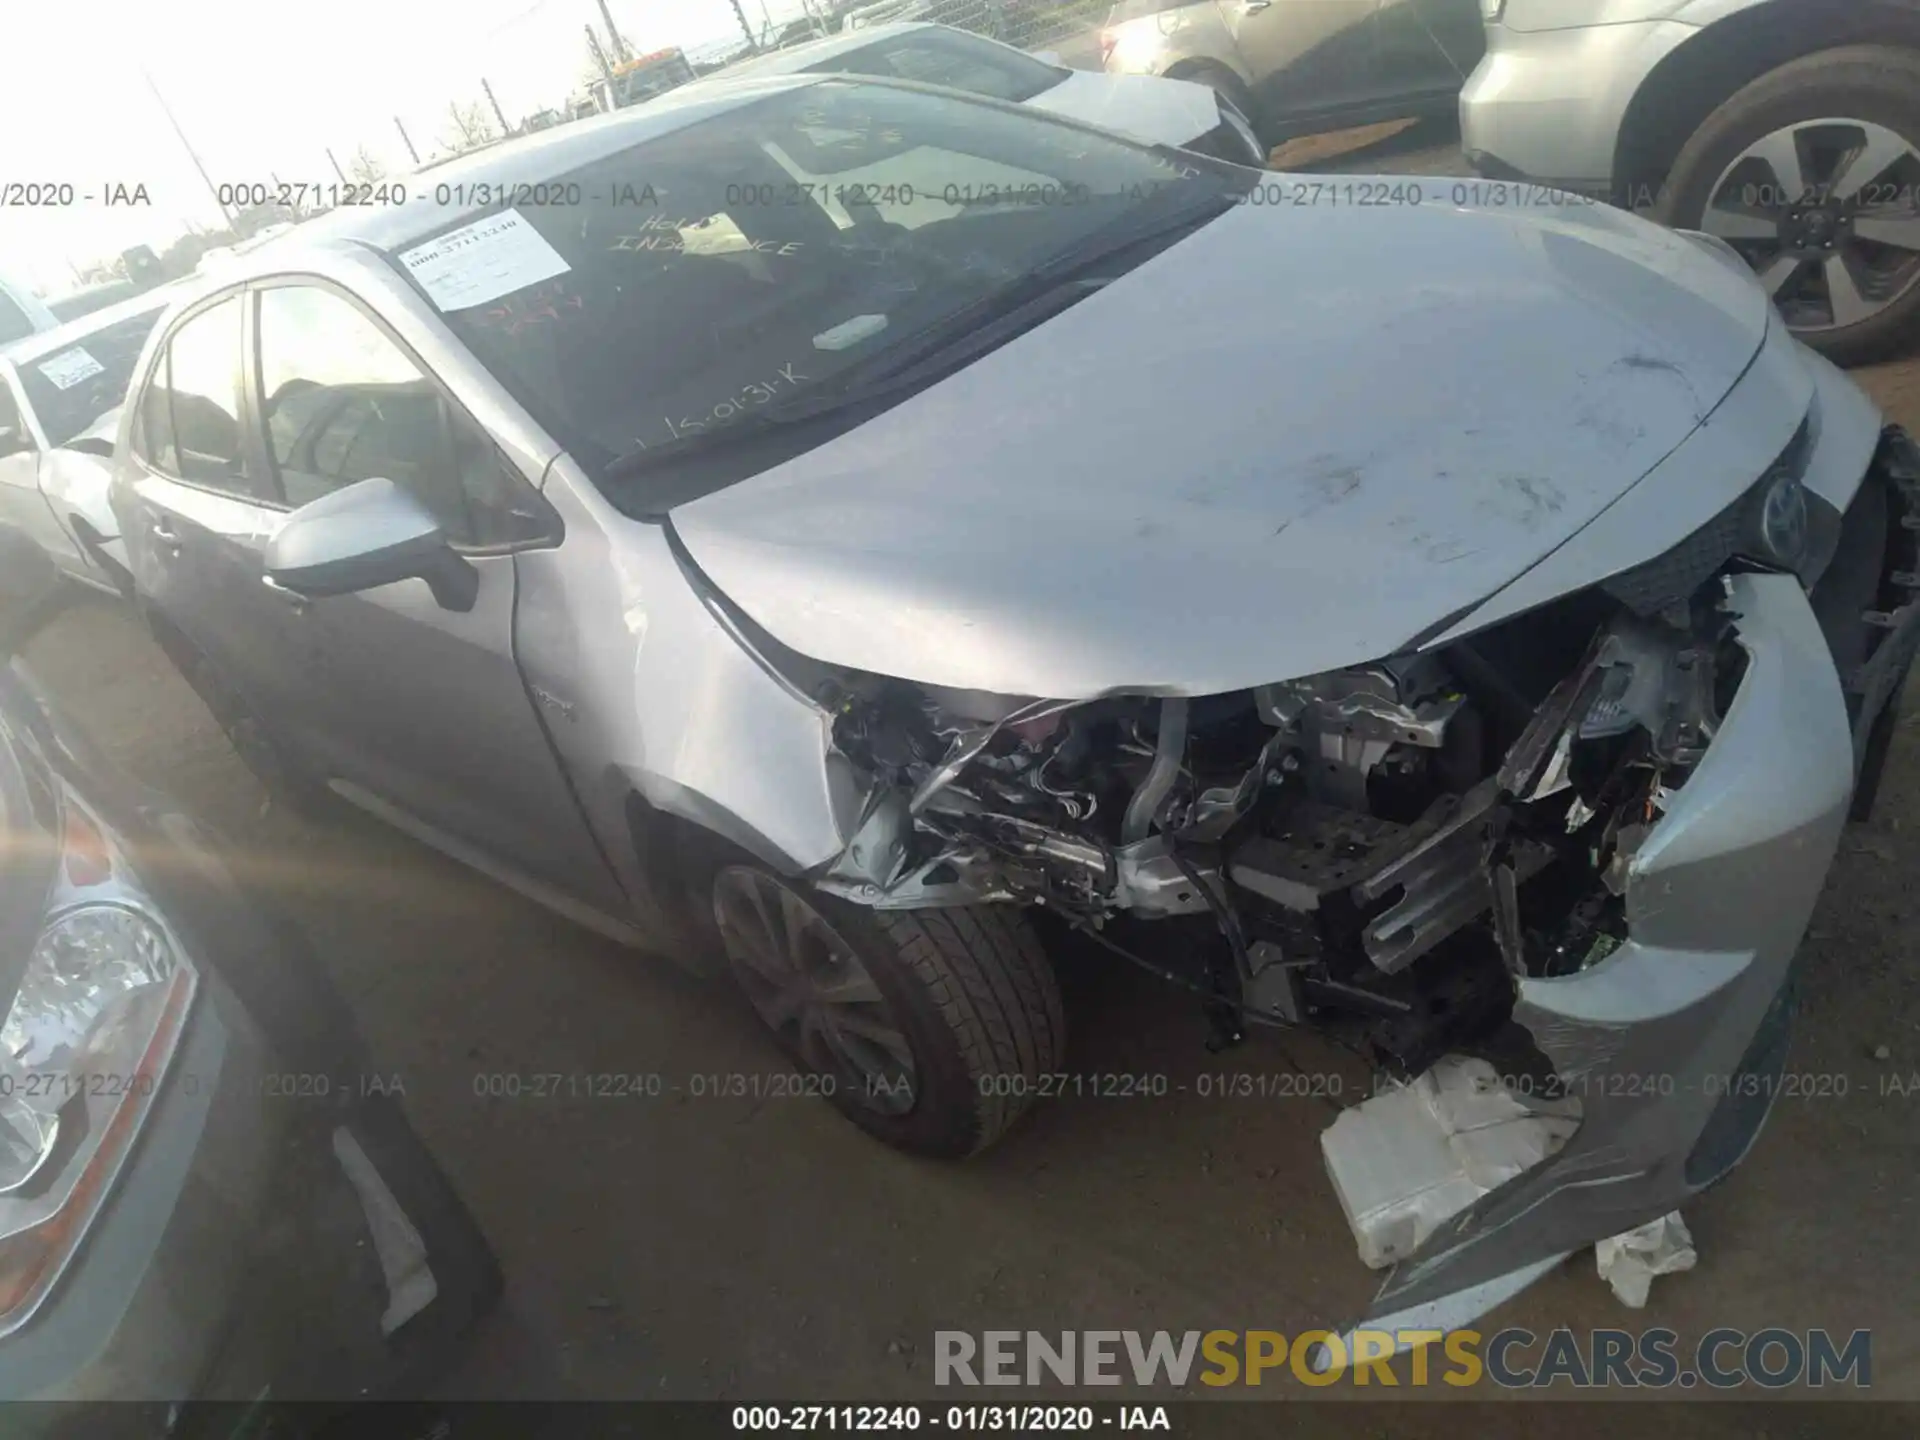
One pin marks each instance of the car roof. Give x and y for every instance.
(796, 58)
(528, 159)
(73, 332)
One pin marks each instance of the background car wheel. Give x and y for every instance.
(285, 782)
(1812, 172)
(932, 1025)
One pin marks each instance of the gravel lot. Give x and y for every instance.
(687, 1247)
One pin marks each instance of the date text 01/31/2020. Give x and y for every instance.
(1018, 1419)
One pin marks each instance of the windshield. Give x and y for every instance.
(74, 386)
(756, 256)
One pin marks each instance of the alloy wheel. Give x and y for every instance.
(813, 990)
(1828, 214)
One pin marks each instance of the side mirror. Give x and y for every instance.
(372, 533)
(13, 440)
(28, 581)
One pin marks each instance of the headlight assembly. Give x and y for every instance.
(87, 1003)
(83, 1047)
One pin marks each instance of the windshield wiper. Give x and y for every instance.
(692, 442)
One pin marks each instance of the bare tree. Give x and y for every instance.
(470, 126)
(364, 168)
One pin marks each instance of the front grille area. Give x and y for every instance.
(1674, 576)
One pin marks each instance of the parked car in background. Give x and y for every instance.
(1299, 67)
(80, 303)
(1789, 128)
(208, 1191)
(801, 572)
(1148, 108)
(22, 313)
(60, 397)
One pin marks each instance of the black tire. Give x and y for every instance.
(285, 782)
(1877, 84)
(972, 993)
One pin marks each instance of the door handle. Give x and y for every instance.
(295, 601)
(165, 534)
(1254, 7)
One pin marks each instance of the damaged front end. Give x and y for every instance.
(1550, 877)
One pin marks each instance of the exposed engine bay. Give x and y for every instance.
(1381, 849)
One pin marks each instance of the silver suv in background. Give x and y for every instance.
(1300, 66)
(1789, 128)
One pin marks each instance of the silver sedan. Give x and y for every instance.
(861, 532)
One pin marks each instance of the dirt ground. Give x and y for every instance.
(687, 1246)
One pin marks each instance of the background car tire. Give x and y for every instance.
(970, 990)
(1879, 85)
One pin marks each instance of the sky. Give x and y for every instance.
(262, 89)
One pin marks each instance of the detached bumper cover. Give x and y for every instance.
(1657, 1039)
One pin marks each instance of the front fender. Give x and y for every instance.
(664, 701)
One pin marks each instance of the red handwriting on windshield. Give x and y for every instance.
(536, 307)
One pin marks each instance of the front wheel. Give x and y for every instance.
(1812, 172)
(929, 1029)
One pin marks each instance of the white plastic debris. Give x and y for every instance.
(1628, 1262)
(396, 1243)
(1403, 1161)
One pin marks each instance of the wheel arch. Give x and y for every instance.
(1702, 74)
(1193, 67)
(674, 856)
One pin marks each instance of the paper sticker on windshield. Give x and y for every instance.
(483, 261)
(70, 367)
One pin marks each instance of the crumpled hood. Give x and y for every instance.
(1292, 442)
(1146, 107)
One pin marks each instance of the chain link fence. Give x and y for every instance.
(1029, 24)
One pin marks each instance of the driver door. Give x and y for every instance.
(417, 711)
